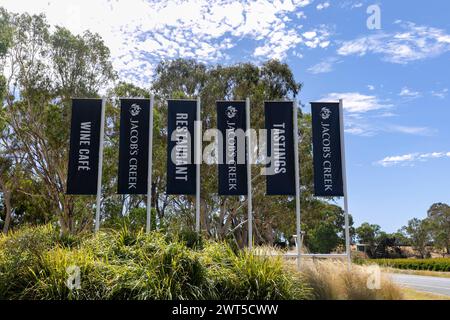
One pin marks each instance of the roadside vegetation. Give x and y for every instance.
(420, 238)
(332, 280)
(436, 264)
(36, 263)
(122, 264)
(410, 294)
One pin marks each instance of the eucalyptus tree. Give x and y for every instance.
(439, 220)
(45, 69)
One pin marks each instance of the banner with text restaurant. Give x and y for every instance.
(280, 174)
(133, 146)
(181, 169)
(84, 146)
(327, 156)
(232, 154)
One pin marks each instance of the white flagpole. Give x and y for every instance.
(297, 183)
(344, 181)
(249, 175)
(100, 167)
(198, 150)
(150, 162)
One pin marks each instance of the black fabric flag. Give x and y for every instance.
(181, 118)
(280, 171)
(327, 150)
(231, 123)
(84, 146)
(133, 146)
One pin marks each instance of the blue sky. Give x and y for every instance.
(394, 81)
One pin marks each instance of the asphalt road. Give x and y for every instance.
(423, 283)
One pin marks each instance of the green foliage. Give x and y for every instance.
(439, 225)
(124, 264)
(323, 224)
(51, 66)
(436, 264)
(418, 232)
(367, 233)
(323, 239)
(191, 239)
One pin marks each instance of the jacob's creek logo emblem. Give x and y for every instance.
(231, 112)
(325, 113)
(135, 109)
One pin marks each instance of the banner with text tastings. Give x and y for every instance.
(84, 146)
(280, 171)
(181, 169)
(133, 146)
(232, 156)
(327, 150)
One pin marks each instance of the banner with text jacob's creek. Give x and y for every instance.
(133, 146)
(232, 154)
(84, 146)
(181, 178)
(280, 170)
(327, 149)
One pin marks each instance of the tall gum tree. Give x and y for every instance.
(46, 70)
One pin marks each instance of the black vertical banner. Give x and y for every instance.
(280, 171)
(232, 156)
(133, 146)
(327, 149)
(84, 146)
(181, 170)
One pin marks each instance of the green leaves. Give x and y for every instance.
(35, 262)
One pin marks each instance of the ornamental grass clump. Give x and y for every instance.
(37, 263)
(332, 280)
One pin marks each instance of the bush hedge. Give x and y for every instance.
(436, 264)
(34, 264)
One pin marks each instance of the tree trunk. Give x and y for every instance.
(8, 210)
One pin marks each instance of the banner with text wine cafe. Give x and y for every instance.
(84, 146)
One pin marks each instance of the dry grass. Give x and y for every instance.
(331, 280)
(411, 294)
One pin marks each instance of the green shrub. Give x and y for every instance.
(436, 264)
(125, 264)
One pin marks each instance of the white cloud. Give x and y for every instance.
(371, 87)
(310, 35)
(325, 66)
(368, 127)
(442, 94)
(420, 131)
(387, 115)
(322, 6)
(140, 33)
(406, 92)
(318, 37)
(411, 158)
(357, 102)
(411, 44)
(301, 15)
(350, 4)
